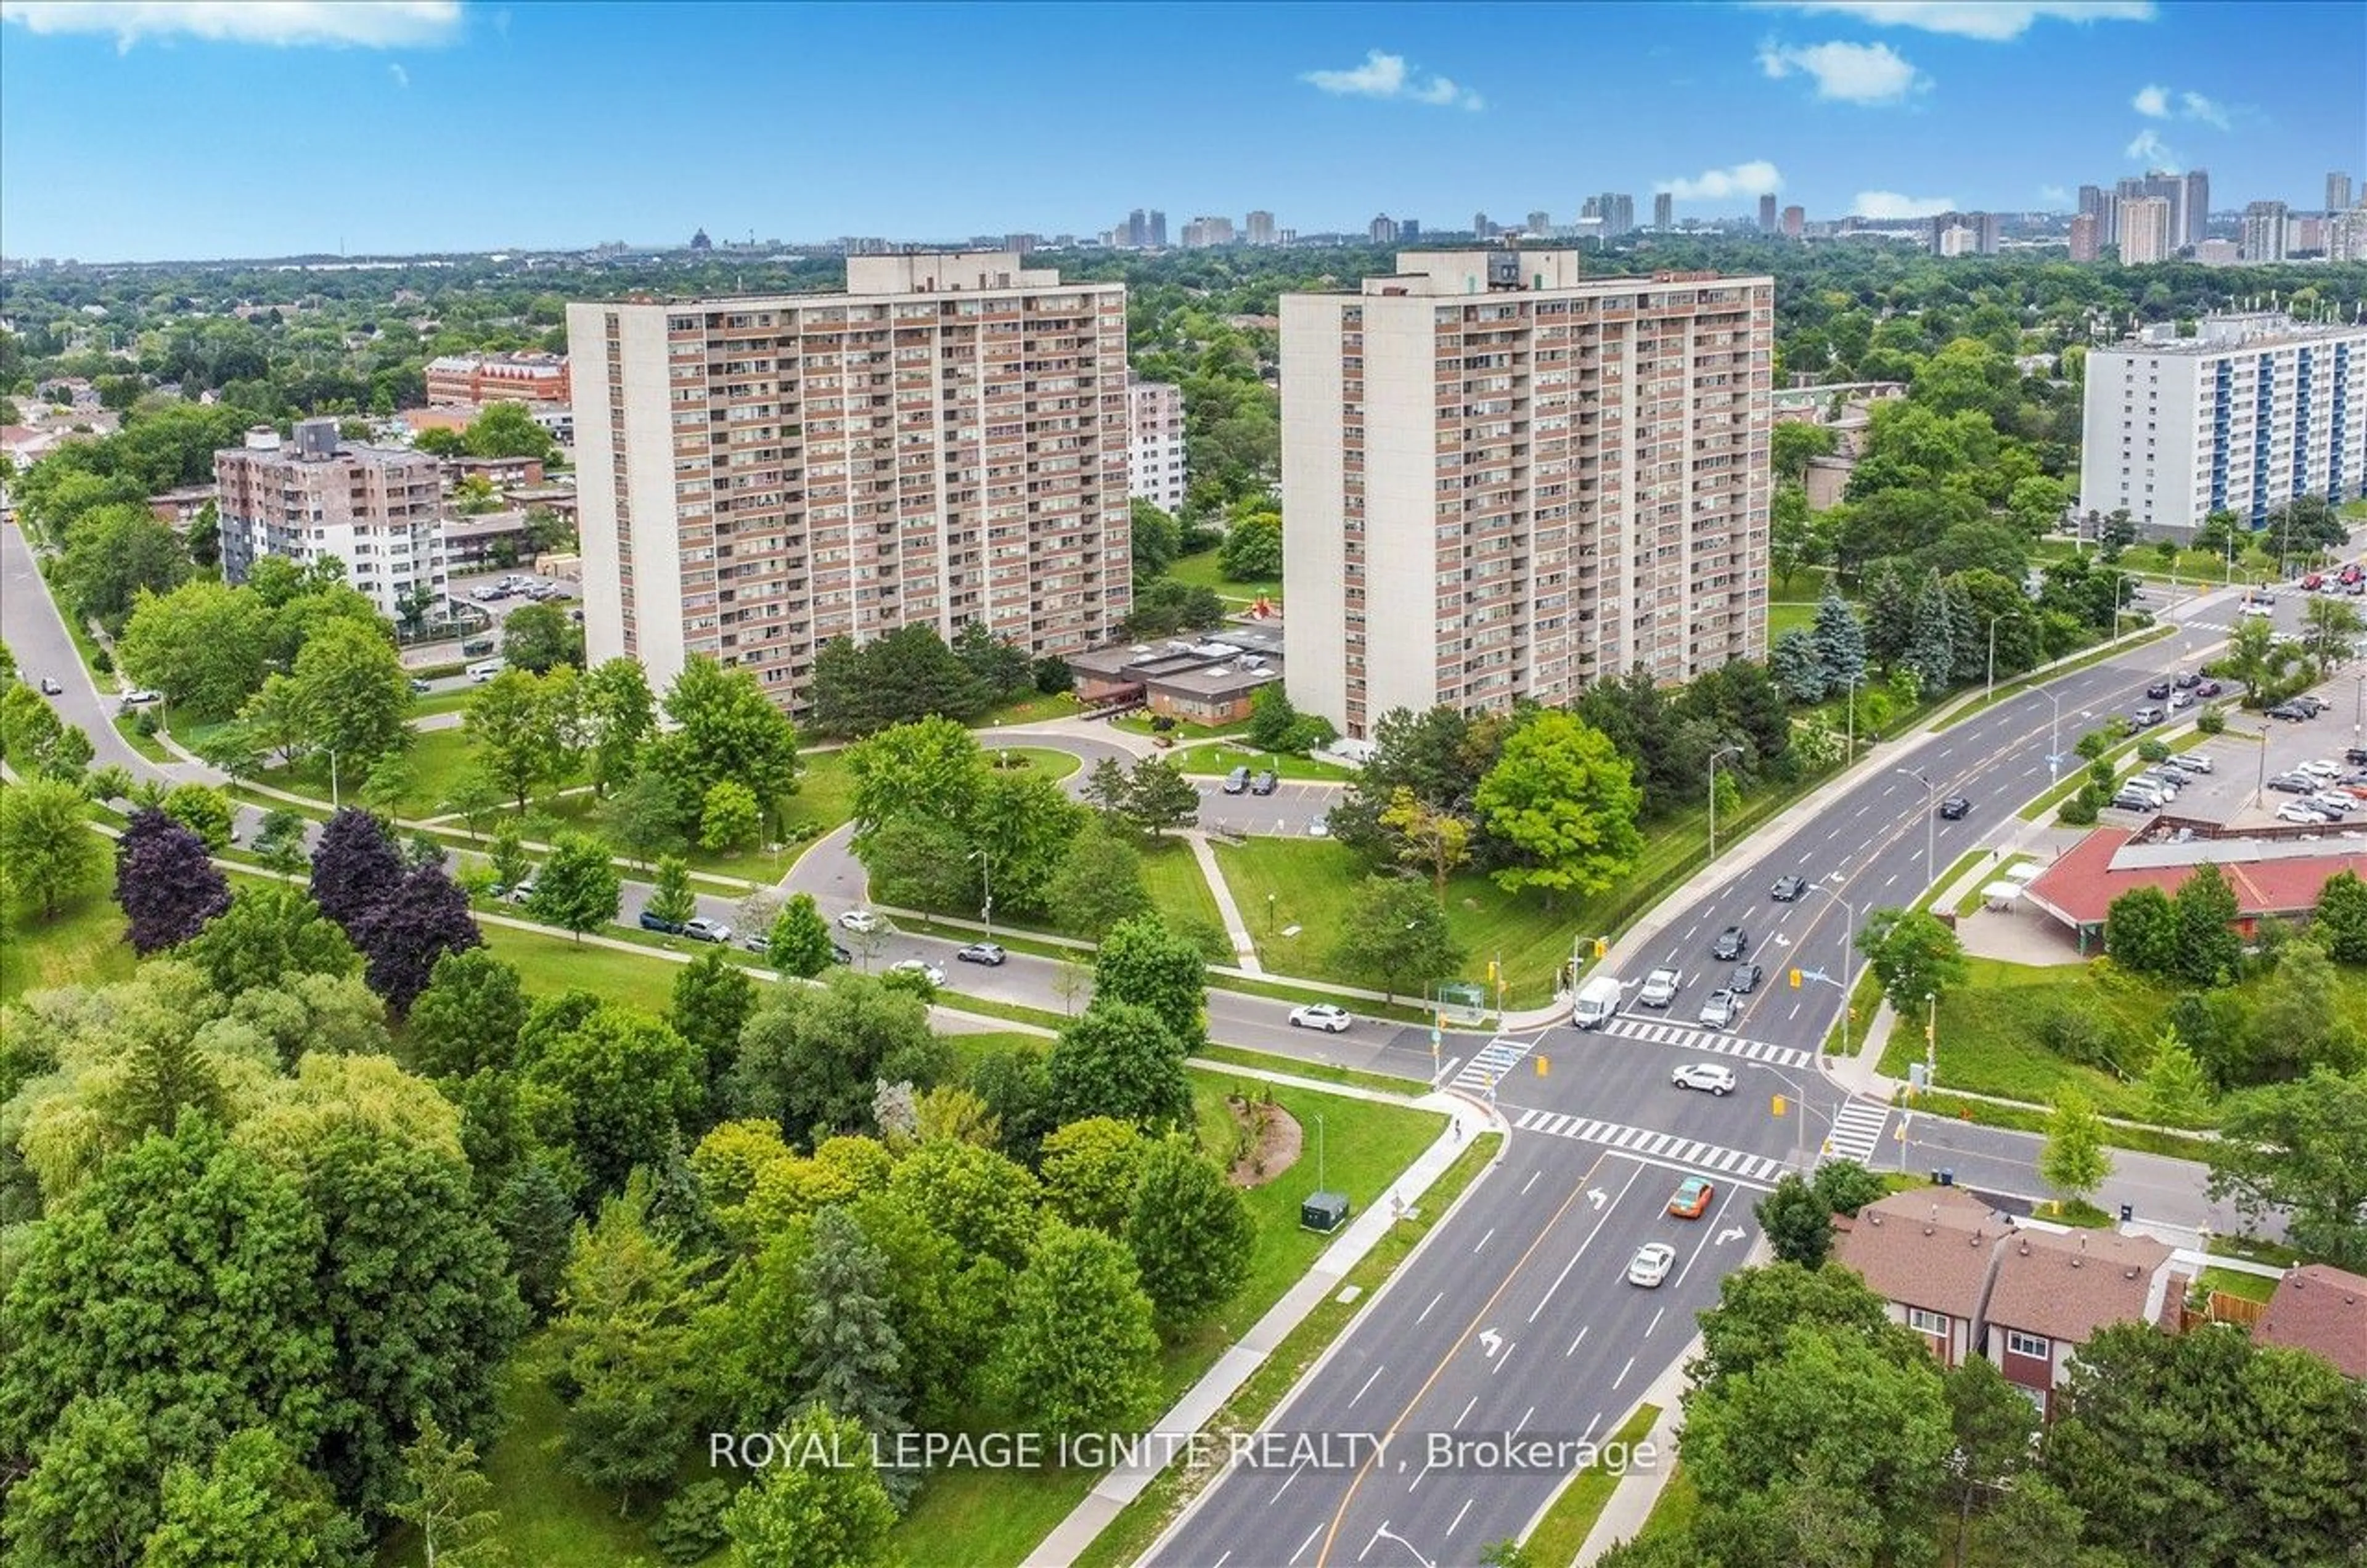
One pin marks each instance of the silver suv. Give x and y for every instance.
(1659, 989)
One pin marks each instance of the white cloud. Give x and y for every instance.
(1850, 73)
(2054, 194)
(2195, 105)
(1386, 75)
(1888, 205)
(1758, 177)
(372, 24)
(2152, 102)
(1993, 21)
(2152, 152)
(401, 77)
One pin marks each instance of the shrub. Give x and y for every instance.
(103, 662)
(2080, 810)
(2077, 1034)
(2212, 721)
(2150, 749)
(691, 1524)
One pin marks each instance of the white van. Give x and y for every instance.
(1597, 1001)
(485, 670)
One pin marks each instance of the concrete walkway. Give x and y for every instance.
(1237, 928)
(1201, 1403)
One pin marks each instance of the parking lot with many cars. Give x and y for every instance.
(2300, 764)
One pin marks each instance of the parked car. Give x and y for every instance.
(418, 687)
(2293, 783)
(701, 929)
(1659, 989)
(1691, 1201)
(518, 895)
(1710, 1077)
(1320, 828)
(2292, 713)
(2355, 755)
(141, 696)
(1720, 1011)
(1264, 783)
(2158, 690)
(651, 923)
(1745, 979)
(2318, 768)
(1651, 1264)
(985, 953)
(51, 688)
(2194, 762)
(860, 921)
(921, 966)
(1790, 889)
(1237, 781)
(840, 955)
(485, 670)
(2314, 582)
(1732, 942)
(2145, 717)
(1324, 1016)
(2337, 802)
(756, 941)
(2310, 703)
(1953, 808)
(2181, 701)
(2211, 689)
(2301, 814)
(2186, 681)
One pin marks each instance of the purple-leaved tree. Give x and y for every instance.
(356, 870)
(426, 918)
(167, 884)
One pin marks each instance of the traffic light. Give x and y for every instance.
(1492, 971)
(1795, 979)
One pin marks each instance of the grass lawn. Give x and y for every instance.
(549, 965)
(437, 759)
(1172, 874)
(83, 945)
(1138, 723)
(2236, 1282)
(1789, 616)
(1215, 759)
(442, 701)
(127, 726)
(1673, 1513)
(1034, 708)
(1571, 1516)
(1205, 570)
(825, 796)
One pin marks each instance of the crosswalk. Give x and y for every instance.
(1491, 1063)
(1740, 1164)
(1857, 1130)
(1703, 1040)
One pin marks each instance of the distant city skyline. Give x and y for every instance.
(187, 131)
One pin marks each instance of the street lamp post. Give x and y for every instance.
(2054, 736)
(986, 877)
(1799, 1118)
(1849, 697)
(2000, 615)
(1848, 937)
(1716, 756)
(1930, 1039)
(1930, 833)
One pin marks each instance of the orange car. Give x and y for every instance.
(1692, 1201)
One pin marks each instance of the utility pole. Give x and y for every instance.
(1716, 757)
(986, 875)
(1930, 831)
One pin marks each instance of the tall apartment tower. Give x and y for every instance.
(1766, 214)
(1154, 462)
(1260, 227)
(2337, 193)
(2144, 227)
(1664, 211)
(944, 443)
(1618, 212)
(1158, 230)
(2095, 204)
(2264, 231)
(377, 509)
(2084, 244)
(1504, 481)
(1540, 223)
(1382, 229)
(2194, 207)
(1137, 230)
(1796, 220)
(2252, 411)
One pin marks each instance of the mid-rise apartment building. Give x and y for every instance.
(2337, 193)
(1260, 230)
(2143, 224)
(2264, 231)
(1503, 482)
(2084, 244)
(2251, 412)
(1664, 213)
(1154, 462)
(377, 509)
(944, 443)
(497, 378)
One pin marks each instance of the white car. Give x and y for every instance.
(1720, 1011)
(1321, 1015)
(2194, 762)
(2306, 815)
(2320, 769)
(1651, 1264)
(2251, 609)
(921, 966)
(2333, 802)
(701, 929)
(861, 922)
(1659, 989)
(1320, 828)
(521, 893)
(139, 696)
(1714, 1076)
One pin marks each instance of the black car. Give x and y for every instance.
(2187, 680)
(2293, 783)
(2158, 690)
(1953, 808)
(1790, 889)
(2355, 755)
(1745, 979)
(651, 923)
(418, 686)
(2310, 705)
(984, 953)
(1264, 784)
(1732, 942)
(840, 955)
(2292, 713)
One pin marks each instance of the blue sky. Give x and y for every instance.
(163, 130)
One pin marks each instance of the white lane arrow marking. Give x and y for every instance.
(1729, 1234)
(1597, 1196)
(1490, 1342)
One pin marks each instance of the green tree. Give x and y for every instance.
(671, 899)
(1253, 550)
(578, 888)
(1395, 935)
(730, 817)
(1564, 802)
(2208, 952)
(646, 817)
(850, 1358)
(469, 1016)
(508, 430)
(812, 1057)
(353, 693)
(2074, 1161)
(1143, 963)
(1090, 1169)
(113, 555)
(627, 1343)
(203, 645)
(267, 935)
(1157, 539)
(1913, 955)
(919, 862)
(1995, 1426)
(1079, 1353)
(1120, 1059)
(1104, 789)
(1159, 798)
(712, 1002)
(539, 638)
(1190, 1233)
(2301, 1147)
(1435, 841)
(2329, 633)
(252, 1505)
(507, 856)
(619, 715)
(799, 941)
(906, 676)
(726, 727)
(1793, 539)
(2176, 1093)
(2340, 921)
(35, 740)
(448, 1502)
(1840, 639)
(474, 798)
(819, 1515)
(1791, 444)
(1099, 884)
(1797, 1224)
(279, 840)
(47, 850)
(509, 726)
(2141, 933)
(930, 769)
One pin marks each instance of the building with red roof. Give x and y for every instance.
(2273, 878)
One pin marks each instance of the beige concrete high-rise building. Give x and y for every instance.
(943, 444)
(1502, 481)
(2083, 237)
(314, 497)
(2143, 224)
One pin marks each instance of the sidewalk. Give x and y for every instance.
(1200, 1402)
(1236, 928)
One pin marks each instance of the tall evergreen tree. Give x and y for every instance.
(849, 1355)
(1930, 650)
(1840, 639)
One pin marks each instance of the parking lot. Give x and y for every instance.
(499, 592)
(2257, 748)
(1291, 810)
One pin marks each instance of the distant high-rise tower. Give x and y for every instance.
(1408, 231)
(1137, 230)
(1664, 211)
(1382, 230)
(2143, 224)
(1158, 230)
(1617, 211)
(2095, 204)
(2337, 193)
(2264, 231)
(1796, 218)
(1261, 227)
(1481, 228)
(1766, 214)
(2084, 244)
(1540, 223)
(2195, 207)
